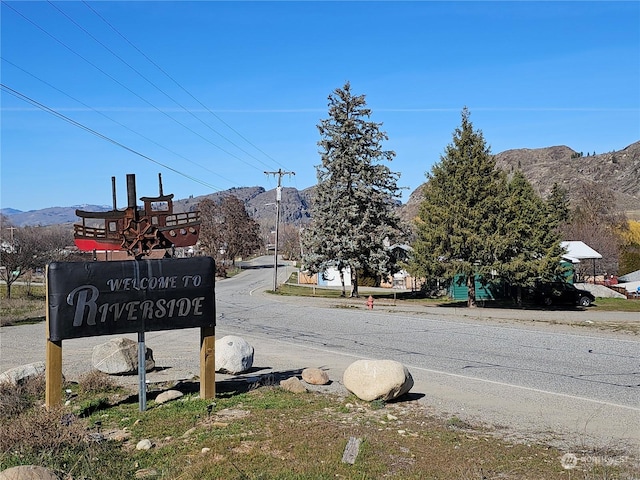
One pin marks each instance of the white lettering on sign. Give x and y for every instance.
(85, 300)
(153, 283)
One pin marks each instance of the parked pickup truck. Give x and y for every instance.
(554, 293)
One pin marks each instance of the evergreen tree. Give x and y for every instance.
(533, 247)
(474, 223)
(458, 221)
(558, 204)
(353, 210)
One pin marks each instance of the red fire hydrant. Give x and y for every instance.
(370, 302)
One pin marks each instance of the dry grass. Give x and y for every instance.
(95, 381)
(27, 303)
(15, 399)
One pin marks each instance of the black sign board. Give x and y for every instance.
(89, 299)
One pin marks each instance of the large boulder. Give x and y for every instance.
(119, 356)
(233, 355)
(21, 374)
(377, 379)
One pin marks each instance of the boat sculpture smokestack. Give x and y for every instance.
(131, 190)
(113, 192)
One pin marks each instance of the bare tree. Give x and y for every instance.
(596, 221)
(227, 231)
(23, 249)
(289, 242)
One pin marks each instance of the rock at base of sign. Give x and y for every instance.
(315, 376)
(233, 355)
(119, 356)
(373, 380)
(27, 472)
(21, 374)
(168, 395)
(293, 385)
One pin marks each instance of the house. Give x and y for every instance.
(630, 277)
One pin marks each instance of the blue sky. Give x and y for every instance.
(212, 94)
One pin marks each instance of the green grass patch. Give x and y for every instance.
(616, 305)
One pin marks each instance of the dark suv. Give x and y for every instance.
(553, 293)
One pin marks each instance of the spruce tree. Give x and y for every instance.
(558, 204)
(474, 223)
(533, 244)
(353, 213)
(458, 220)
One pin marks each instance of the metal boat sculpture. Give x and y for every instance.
(136, 230)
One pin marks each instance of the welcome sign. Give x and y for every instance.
(87, 299)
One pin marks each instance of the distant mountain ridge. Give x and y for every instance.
(49, 216)
(618, 170)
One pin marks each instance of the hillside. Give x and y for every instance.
(618, 170)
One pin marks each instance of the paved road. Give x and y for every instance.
(532, 381)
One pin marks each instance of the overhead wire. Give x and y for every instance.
(181, 87)
(116, 121)
(127, 88)
(75, 123)
(153, 84)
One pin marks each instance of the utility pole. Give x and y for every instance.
(279, 173)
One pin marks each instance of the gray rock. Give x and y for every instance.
(168, 396)
(22, 373)
(119, 356)
(377, 379)
(233, 355)
(315, 376)
(27, 472)
(144, 444)
(147, 473)
(293, 385)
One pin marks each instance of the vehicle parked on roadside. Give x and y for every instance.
(559, 292)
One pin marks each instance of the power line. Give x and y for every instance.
(148, 80)
(75, 123)
(127, 88)
(182, 88)
(117, 122)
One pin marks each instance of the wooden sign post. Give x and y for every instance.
(86, 299)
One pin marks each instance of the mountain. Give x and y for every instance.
(48, 216)
(260, 203)
(618, 170)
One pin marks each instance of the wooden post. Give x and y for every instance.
(53, 370)
(207, 362)
(53, 374)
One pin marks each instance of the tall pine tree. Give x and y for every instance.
(533, 247)
(353, 210)
(473, 223)
(458, 220)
